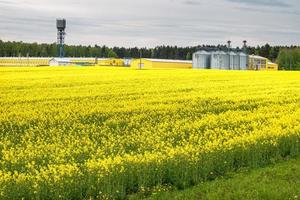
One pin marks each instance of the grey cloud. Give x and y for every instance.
(272, 3)
(3, 2)
(192, 2)
(145, 23)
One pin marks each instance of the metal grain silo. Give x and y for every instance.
(201, 60)
(215, 60)
(232, 59)
(221, 57)
(219, 60)
(236, 62)
(224, 61)
(243, 61)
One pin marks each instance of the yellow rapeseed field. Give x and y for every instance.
(105, 133)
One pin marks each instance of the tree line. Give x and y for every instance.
(286, 56)
(16, 49)
(289, 59)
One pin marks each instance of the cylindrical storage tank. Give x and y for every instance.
(215, 60)
(231, 60)
(61, 24)
(201, 60)
(236, 62)
(196, 64)
(243, 61)
(223, 62)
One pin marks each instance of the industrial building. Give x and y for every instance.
(160, 63)
(47, 61)
(60, 62)
(227, 58)
(218, 59)
(261, 63)
(97, 61)
(24, 61)
(85, 62)
(224, 58)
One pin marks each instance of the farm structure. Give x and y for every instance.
(161, 63)
(24, 61)
(261, 63)
(227, 58)
(201, 60)
(218, 59)
(86, 62)
(47, 61)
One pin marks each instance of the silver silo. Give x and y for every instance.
(224, 62)
(243, 61)
(231, 56)
(236, 62)
(201, 60)
(219, 60)
(221, 57)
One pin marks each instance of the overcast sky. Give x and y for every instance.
(153, 22)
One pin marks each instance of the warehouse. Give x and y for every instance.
(24, 61)
(161, 63)
(36, 62)
(60, 62)
(261, 63)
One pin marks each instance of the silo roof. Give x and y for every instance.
(219, 53)
(256, 57)
(202, 52)
(242, 54)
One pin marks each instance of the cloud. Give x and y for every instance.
(271, 3)
(192, 2)
(151, 23)
(4, 2)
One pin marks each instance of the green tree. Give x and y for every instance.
(289, 59)
(112, 54)
(188, 56)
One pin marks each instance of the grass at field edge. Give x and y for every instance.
(277, 182)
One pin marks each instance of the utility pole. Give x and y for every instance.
(140, 59)
(27, 59)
